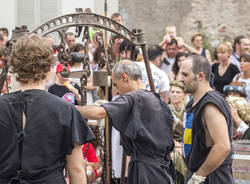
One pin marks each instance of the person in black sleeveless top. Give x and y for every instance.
(197, 41)
(209, 160)
(39, 132)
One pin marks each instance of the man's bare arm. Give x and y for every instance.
(216, 124)
(92, 111)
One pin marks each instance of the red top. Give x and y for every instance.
(91, 155)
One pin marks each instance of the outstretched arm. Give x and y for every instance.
(92, 111)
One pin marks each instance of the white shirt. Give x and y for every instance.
(167, 68)
(160, 78)
(117, 151)
(234, 59)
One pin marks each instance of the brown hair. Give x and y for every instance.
(195, 35)
(76, 47)
(69, 34)
(31, 59)
(246, 56)
(115, 15)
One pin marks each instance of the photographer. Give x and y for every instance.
(39, 133)
(63, 88)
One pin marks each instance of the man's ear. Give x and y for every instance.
(124, 77)
(201, 76)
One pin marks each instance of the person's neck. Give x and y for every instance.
(203, 89)
(246, 74)
(32, 85)
(57, 81)
(198, 48)
(136, 85)
(179, 105)
(237, 52)
(224, 63)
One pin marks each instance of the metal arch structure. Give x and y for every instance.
(87, 19)
(62, 23)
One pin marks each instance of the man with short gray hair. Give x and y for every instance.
(144, 121)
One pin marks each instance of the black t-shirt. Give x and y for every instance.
(52, 127)
(63, 92)
(226, 78)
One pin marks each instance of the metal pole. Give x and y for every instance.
(107, 146)
(149, 73)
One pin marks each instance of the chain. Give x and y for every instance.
(86, 150)
(103, 152)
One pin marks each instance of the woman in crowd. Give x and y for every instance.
(245, 75)
(197, 41)
(236, 95)
(39, 133)
(239, 107)
(175, 74)
(224, 71)
(177, 105)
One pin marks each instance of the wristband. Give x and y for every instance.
(242, 128)
(196, 179)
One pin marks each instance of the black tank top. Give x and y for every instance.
(199, 151)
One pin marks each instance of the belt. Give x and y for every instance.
(150, 160)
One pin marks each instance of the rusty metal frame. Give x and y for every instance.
(87, 19)
(62, 23)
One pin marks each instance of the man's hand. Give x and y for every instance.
(196, 179)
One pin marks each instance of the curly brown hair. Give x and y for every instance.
(31, 59)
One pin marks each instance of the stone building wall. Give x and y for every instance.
(217, 19)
